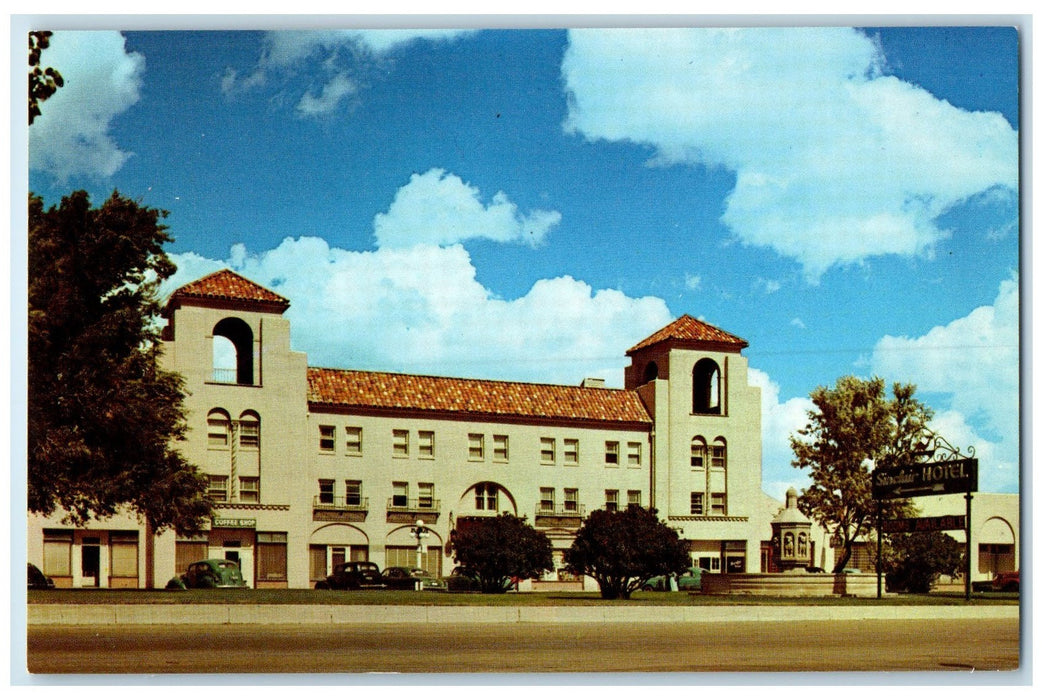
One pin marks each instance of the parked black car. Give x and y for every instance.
(407, 578)
(352, 575)
(37, 581)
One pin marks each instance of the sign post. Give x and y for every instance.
(957, 475)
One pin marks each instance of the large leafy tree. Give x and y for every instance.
(917, 559)
(501, 550)
(623, 549)
(854, 428)
(103, 417)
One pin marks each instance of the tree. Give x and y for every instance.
(854, 428)
(43, 82)
(623, 549)
(502, 549)
(103, 417)
(917, 559)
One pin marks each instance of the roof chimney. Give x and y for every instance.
(593, 383)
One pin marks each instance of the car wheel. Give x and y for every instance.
(207, 582)
(1011, 588)
(322, 586)
(647, 588)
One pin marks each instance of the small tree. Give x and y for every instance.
(854, 428)
(917, 559)
(501, 550)
(623, 549)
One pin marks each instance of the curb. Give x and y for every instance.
(220, 614)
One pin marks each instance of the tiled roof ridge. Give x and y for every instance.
(229, 285)
(492, 397)
(688, 328)
(518, 382)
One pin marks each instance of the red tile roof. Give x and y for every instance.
(474, 397)
(228, 286)
(690, 330)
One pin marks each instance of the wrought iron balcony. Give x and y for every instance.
(568, 509)
(330, 502)
(414, 505)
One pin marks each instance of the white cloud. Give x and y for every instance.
(972, 361)
(438, 208)
(834, 162)
(330, 60)
(421, 309)
(778, 422)
(71, 136)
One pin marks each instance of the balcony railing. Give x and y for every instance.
(560, 510)
(414, 505)
(327, 502)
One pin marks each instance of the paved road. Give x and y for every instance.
(867, 645)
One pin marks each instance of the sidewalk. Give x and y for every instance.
(221, 614)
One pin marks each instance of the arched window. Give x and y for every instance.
(250, 430)
(706, 387)
(218, 424)
(233, 352)
(651, 372)
(698, 452)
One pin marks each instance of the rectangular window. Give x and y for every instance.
(426, 497)
(570, 452)
(400, 494)
(326, 491)
(189, 550)
(400, 443)
(571, 500)
(217, 431)
(249, 489)
(327, 438)
(123, 554)
(696, 507)
(633, 498)
(548, 450)
(353, 493)
(698, 455)
(611, 500)
(218, 488)
(633, 454)
(485, 497)
(249, 434)
(500, 451)
(425, 444)
(271, 556)
(717, 457)
(57, 552)
(353, 440)
(475, 447)
(317, 562)
(612, 453)
(547, 499)
(718, 504)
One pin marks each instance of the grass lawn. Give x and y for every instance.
(375, 597)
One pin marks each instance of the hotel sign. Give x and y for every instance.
(927, 479)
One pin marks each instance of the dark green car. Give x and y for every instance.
(210, 573)
(690, 580)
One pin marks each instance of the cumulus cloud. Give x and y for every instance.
(779, 420)
(973, 362)
(438, 208)
(835, 162)
(331, 60)
(102, 80)
(421, 309)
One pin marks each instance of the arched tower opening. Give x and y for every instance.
(233, 352)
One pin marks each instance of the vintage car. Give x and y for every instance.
(209, 573)
(1009, 582)
(37, 580)
(690, 580)
(352, 575)
(411, 579)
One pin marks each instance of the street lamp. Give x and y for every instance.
(420, 531)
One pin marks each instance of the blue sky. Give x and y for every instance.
(528, 204)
